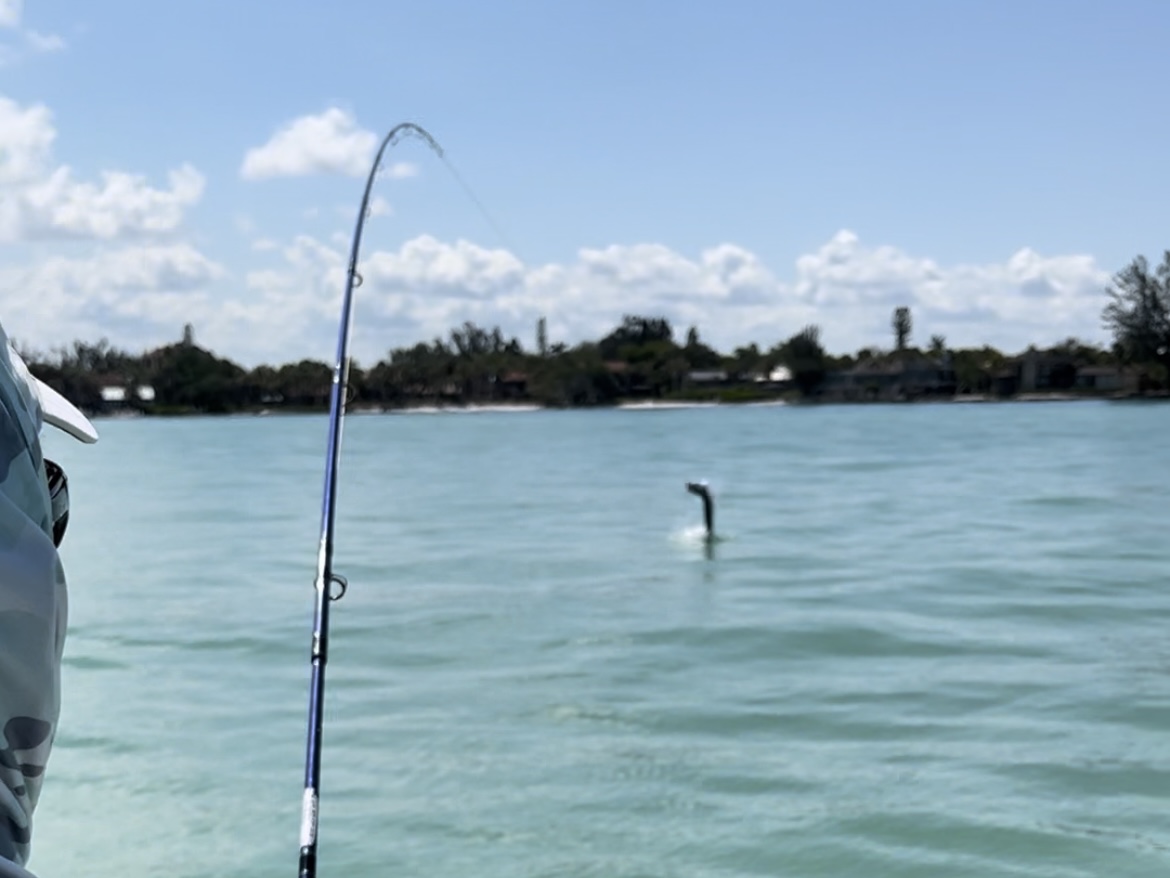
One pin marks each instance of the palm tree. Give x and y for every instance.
(902, 325)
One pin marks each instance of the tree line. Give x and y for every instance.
(639, 358)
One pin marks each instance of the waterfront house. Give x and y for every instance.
(118, 395)
(892, 378)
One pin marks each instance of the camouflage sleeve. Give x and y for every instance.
(11, 870)
(32, 623)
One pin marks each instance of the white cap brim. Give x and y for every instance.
(62, 414)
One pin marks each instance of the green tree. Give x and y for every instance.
(636, 331)
(805, 358)
(976, 369)
(577, 377)
(263, 386)
(187, 376)
(1138, 313)
(746, 359)
(699, 355)
(1081, 353)
(306, 383)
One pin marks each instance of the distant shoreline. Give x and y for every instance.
(634, 406)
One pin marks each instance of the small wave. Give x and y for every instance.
(1068, 501)
(93, 663)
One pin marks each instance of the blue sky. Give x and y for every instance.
(748, 167)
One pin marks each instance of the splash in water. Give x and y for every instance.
(692, 536)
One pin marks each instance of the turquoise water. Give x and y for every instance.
(933, 640)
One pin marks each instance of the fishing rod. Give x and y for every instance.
(329, 585)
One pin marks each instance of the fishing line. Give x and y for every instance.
(484, 212)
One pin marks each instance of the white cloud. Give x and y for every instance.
(26, 140)
(151, 268)
(39, 42)
(427, 286)
(1029, 298)
(38, 201)
(288, 305)
(122, 205)
(330, 142)
(16, 43)
(459, 270)
(132, 295)
(10, 11)
(379, 206)
(399, 171)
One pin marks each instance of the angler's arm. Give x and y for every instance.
(32, 627)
